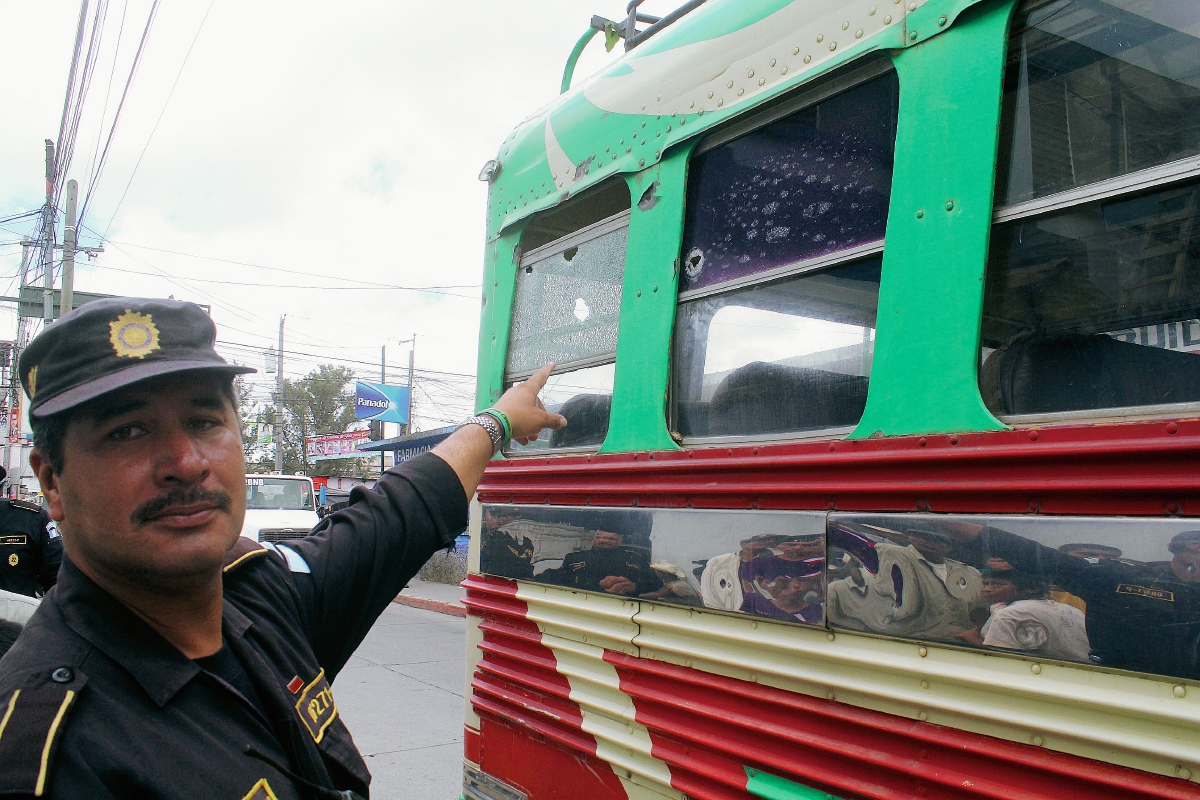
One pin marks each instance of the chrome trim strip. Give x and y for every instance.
(1164, 411)
(1134, 181)
(566, 366)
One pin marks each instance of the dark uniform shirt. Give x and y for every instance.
(586, 568)
(503, 554)
(30, 548)
(1139, 617)
(144, 721)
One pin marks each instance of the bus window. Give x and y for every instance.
(780, 278)
(566, 309)
(1092, 298)
(1097, 90)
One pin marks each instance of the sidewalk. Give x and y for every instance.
(445, 598)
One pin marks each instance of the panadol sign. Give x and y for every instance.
(380, 401)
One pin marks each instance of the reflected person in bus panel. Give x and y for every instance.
(609, 566)
(501, 552)
(721, 581)
(1144, 618)
(1030, 621)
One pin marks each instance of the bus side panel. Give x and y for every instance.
(531, 732)
(709, 729)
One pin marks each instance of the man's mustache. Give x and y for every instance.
(179, 497)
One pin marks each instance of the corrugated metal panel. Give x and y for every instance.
(1139, 468)
(1127, 720)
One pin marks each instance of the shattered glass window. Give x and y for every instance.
(814, 183)
(1094, 90)
(568, 300)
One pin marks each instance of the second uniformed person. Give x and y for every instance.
(30, 547)
(609, 566)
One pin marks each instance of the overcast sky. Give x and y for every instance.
(338, 140)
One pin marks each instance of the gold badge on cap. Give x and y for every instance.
(32, 380)
(133, 335)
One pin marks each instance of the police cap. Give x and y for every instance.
(1180, 541)
(112, 343)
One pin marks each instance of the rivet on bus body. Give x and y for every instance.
(832, 447)
(761, 81)
(668, 129)
(1038, 741)
(654, 288)
(783, 71)
(858, 34)
(690, 105)
(871, 11)
(1172, 508)
(912, 35)
(830, 636)
(729, 85)
(949, 205)
(922, 441)
(807, 59)
(657, 134)
(953, 440)
(639, 294)
(772, 62)
(1172, 427)
(924, 715)
(832, 46)
(699, 113)
(920, 213)
(924, 684)
(629, 149)
(643, 106)
(941, 21)
(887, 20)
(1036, 669)
(1180, 691)
(750, 74)
(846, 25)
(922, 505)
(754, 626)
(1033, 436)
(820, 38)
(1184, 773)
(658, 154)
(641, 162)
(643, 121)
(922, 651)
(622, 141)
(795, 51)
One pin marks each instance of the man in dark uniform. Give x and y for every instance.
(1143, 617)
(609, 566)
(174, 659)
(501, 552)
(30, 547)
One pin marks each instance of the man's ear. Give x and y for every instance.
(48, 479)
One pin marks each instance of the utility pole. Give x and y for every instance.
(68, 278)
(411, 350)
(279, 402)
(383, 380)
(48, 242)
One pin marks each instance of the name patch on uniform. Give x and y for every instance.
(1145, 591)
(261, 791)
(18, 539)
(316, 707)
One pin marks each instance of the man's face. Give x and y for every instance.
(606, 540)
(998, 590)
(153, 485)
(798, 548)
(494, 520)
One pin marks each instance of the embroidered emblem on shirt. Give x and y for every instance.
(316, 707)
(1145, 591)
(294, 684)
(13, 559)
(17, 538)
(261, 791)
(133, 335)
(31, 379)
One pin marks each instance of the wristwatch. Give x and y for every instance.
(489, 424)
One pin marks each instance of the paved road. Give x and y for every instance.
(401, 695)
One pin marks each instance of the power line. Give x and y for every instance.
(167, 102)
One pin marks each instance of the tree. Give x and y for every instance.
(316, 404)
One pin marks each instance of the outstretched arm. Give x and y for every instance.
(468, 450)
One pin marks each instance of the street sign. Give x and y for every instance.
(32, 301)
(381, 402)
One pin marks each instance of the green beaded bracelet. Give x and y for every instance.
(502, 418)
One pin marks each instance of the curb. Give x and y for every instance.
(440, 606)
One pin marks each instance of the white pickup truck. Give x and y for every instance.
(279, 507)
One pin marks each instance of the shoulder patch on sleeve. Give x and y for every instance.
(31, 725)
(242, 551)
(25, 505)
(294, 560)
